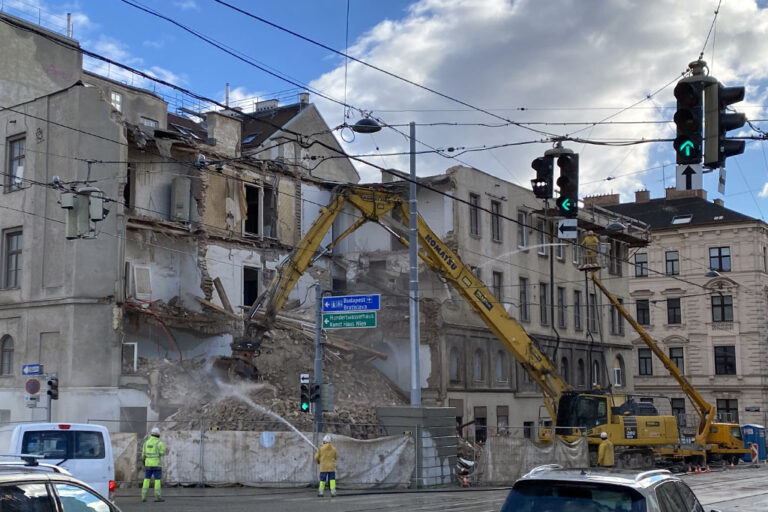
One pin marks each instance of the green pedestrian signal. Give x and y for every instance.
(305, 398)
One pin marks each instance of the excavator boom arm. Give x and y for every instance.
(703, 408)
(373, 204)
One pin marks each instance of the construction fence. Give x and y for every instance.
(370, 456)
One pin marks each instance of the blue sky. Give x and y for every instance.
(542, 61)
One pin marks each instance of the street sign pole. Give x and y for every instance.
(318, 360)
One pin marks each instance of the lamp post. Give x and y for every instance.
(368, 125)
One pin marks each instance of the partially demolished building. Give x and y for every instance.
(198, 211)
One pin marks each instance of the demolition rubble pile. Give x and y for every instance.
(197, 392)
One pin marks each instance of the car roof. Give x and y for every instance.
(637, 479)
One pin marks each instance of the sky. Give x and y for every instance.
(493, 81)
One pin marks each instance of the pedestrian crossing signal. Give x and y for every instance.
(304, 403)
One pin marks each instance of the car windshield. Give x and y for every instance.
(565, 496)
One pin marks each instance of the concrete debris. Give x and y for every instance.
(193, 390)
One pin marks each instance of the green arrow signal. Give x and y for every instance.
(304, 406)
(566, 204)
(686, 146)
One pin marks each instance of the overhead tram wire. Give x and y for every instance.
(376, 68)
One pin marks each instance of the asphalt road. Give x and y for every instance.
(740, 490)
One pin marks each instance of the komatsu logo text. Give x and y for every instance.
(443, 253)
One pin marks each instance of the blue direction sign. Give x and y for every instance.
(345, 303)
(32, 369)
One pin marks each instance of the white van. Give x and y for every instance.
(82, 449)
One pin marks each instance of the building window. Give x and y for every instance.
(474, 214)
(674, 313)
(676, 355)
(596, 373)
(502, 419)
(501, 375)
(261, 211)
(17, 152)
(528, 429)
(576, 254)
(560, 251)
(645, 361)
(617, 320)
(151, 123)
(496, 221)
(522, 229)
(6, 356)
(673, 263)
(477, 366)
(577, 310)
(453, 365)
(643, 307)
(498, 286)
(564, 368)
(678, 411)
(562, 318)
(618, 371)
(541, 232)
(525, 314)
(725, 360)
(720, 259)
(12, 258)
(581, 373)
(117, 101)
(250, 285)
(544, 303)
(615, 259)
(722, 308)
(641, 264)
(481, 424)
(728, 410)
(592, 313)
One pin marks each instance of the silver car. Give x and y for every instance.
(552, 488)
(44, 488)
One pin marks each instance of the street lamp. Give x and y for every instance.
(368, 125)
(712, 273)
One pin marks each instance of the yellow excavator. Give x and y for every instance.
(715, 441)
(634, 428)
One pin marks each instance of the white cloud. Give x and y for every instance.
(555, 61)
(186, 5)
(764, 192)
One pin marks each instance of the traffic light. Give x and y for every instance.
(53, 388)
(314, 392)
(568, 202)
(688, 119)
(304, 404)
(542, 184)
(718, 122)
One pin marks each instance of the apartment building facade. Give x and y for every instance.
(699, 289)
(503, 233)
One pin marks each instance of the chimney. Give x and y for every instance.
(719, 202)
(642, 196)
(304, 98)
(674, 193)
(603, 200)
(226, 96)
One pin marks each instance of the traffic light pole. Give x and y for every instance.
(318, 358)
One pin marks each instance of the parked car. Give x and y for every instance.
(31, 486)
(85, 450)
(552, 488)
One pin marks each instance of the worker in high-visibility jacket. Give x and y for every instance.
(605, 451)
(152, 452)
(326, 457)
